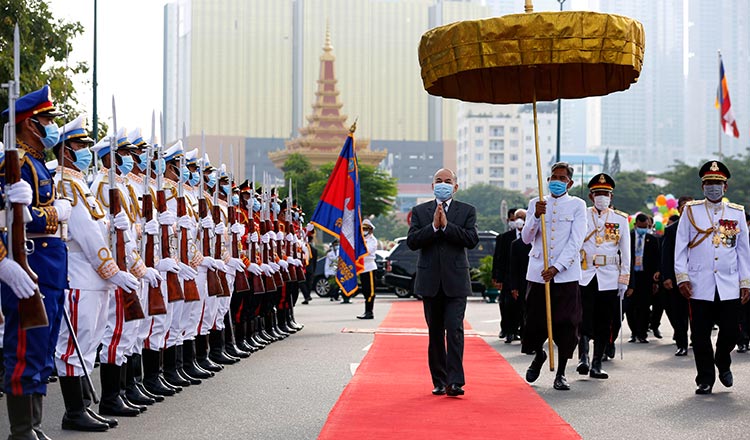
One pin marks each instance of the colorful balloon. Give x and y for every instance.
(661, 200)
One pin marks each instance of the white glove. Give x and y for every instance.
(186, 222)
(310, 227)
(167, 265)
(236, 265)
(238, 228)
(279, 236)
(266, 269)
(208, 263)
(295, 261)
(19, 192)
(621, 289)
(186, 272)
(63, 209)
(284, 264)
(220, 229)
(289, 238)
(254, 237)
(121, 221)
(219, 265)
(265, 238)
(12, 274)
(151, 227)
(167, 218)
(274, 266)
(125, 281)
(207, 222)
(255, 269)
(152, 276)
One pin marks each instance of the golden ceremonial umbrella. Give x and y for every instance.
(522, 58)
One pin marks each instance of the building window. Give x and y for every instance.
(497, 130)
(478, 129)
(514, 185)
(497, 145)
(497, 172)
(513, 143)
(411, 156)
(513, 171)
(479, 171)
(497, 159)
(479, 143)
(514, 129)
(513, 157)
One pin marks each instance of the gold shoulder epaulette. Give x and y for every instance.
(696, 202)
(622, 213)
(736, 206)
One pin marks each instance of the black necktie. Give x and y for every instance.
(445, 207)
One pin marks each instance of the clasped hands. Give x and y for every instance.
(439, 220)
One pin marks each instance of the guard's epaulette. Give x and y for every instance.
(695, 202)
(622, 213)
(736, 206)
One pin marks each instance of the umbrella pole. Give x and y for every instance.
(544, 239)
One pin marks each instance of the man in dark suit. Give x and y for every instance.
(312, 264)
(519, 265)
(500, 268)
(677, 305)
(442, 230)
(644, 273)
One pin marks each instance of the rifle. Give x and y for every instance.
(156, 304)
(258, 280)
(132, 305)
(174, 289)
(285, 275)
(212, 278)
(292, 248)
(190, 288)
(241, 283)
(216, 214)
(268, 225)
(31, 311)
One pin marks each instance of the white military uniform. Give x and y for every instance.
(606, 249)
(90, 264)
(712, 250)
(566, 229)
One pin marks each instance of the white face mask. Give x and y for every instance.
(602, 202)
(519, 223)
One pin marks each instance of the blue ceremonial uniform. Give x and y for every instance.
(29, 353)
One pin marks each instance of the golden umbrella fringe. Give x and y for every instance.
(522, 58)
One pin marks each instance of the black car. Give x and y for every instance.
(322, 287)
(401, 264)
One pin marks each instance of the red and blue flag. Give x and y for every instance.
(728, 123)
(339, 213)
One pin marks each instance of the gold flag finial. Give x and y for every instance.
(353, 128)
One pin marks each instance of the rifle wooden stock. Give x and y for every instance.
(212, 279)
(31, 311)
(268, 280)
(156, 304)
(241, 284)
(258, 282)
(288, 252)
(292, 250)
(190, 288)
(285, 276)
(216, 213)
(174, 290)
(132, 308)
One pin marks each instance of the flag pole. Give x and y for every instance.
(721, 100)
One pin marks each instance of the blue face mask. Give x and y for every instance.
(557, 188)
(127, 165)
(195, 178)
(295, 216)
(51, 134)
(276, 208)
(143, 158)
(256, 205)
(83, 158)
(227, 189)
(641, 231)
(184, 175)
(159, 166)
(443, 191)
(235, 200)
(211, 180)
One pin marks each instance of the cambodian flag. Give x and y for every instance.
(339, 213)
(728, 124)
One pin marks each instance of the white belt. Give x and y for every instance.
(604, 260)
(34, 235)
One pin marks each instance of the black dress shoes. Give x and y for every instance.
(596, 371)
(509, 338)
(657, 333)
(366, 316)
(532, 373)
(681, 352)
(632, 339)
(643, 340)
(502, 334)
(561, 383)
(703, 389)
(726, 378)
(439, 390)
(610, 350)
(741, 348)
(454, 390)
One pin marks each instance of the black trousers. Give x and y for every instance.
(510, 312)
(638, 304)
(445, 323)
(658, 306)
(744, 333)
(367, 281)
(566, 317)
(587, 308)
(605, 308)
(703, 316)
(677, 312)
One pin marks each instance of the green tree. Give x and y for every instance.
(683, 181)
(45, 44)
(389, 227)
(632, 192)
(298, 168)
(487, 199)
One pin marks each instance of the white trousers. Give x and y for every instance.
(87, 310)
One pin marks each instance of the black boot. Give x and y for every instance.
(138, 376)
(216, 341)
(170, 368)
(252, 337)
(132, 392)
(229, 340)
(112, 403)
(583, 354)
(180, 350)
(123, 386)
(261, 333)
(240, 340)
(189, 365)
(283, 324)
(36, 416)
(76, 418)
(596, 362)
(20, 415)
(275, 324)
(151, 374)
(201, 354)
(294, 323)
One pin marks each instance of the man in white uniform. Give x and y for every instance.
(366, 278)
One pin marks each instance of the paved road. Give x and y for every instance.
(286, 391)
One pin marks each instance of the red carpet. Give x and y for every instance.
(389, 396)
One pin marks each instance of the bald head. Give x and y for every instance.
(445, 176)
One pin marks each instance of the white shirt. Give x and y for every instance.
(606, 249)
(566, 228)
(372, 246)
(447, 207)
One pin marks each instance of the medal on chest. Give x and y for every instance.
(728, 230)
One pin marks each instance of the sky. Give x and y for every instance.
(130, 46)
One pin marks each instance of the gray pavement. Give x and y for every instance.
(286, 391)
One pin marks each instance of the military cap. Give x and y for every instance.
(174, 152)
(102, 147)
(122, 140)
(246, 186)
(714, 170)
(36, 103)
(601, 182)
(206, 164)
(135, 137)
(76, 130)
(191, 157)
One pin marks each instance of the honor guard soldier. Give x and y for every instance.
(712, 268)
(605, 272)
(29, 353)
(565, 218)
(91, 273)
